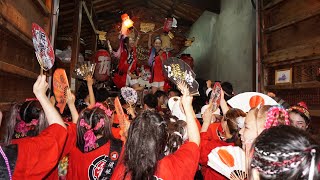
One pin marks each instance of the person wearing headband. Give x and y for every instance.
(299, 116)
(156, 58)
(285, 152)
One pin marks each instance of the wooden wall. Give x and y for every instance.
(290, 38)
(18, 65)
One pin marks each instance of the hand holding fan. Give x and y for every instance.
(123, 121)
(228, 161)
(248, 100)
(85, 69)
(60, 87)
(215, 96)
(178, 70)
(130, 95)
(43, 49)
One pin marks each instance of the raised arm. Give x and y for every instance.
(137, 41)
(70, 101)
(207, 118)
(223, 104)
(92, 100)
(0, 118)
(150, 41)
(39, 89)
(192, 128)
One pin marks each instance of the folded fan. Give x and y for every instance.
(248, 100)
(228, 161)
(60, 86)
(215, 96)
(83, 69)
(179, 71)
(124, 123)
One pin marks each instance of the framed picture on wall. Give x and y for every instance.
(283, 76)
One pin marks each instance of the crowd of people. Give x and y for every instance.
(169, 137)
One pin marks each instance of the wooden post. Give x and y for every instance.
(75, 41)
(54, 6)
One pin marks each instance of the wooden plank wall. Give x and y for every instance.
(18, 65)
(290, 38)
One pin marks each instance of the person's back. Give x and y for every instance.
(145, 147)
(285, 152)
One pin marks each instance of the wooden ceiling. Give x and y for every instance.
(106, 13)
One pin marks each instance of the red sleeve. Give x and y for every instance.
(206, 146)
(123, 58)
(183, 163)
(71, 139)
(38, 155)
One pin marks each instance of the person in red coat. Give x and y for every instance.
(145, 147)
(127, 75)
(35, 157)
(231, 124)
(156, 59)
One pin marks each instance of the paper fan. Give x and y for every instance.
(228, 161)
(248, 100)
(83, 69)
(178, 70)
(60, 86)
(123, 121)
(43, 49)
(129, 95)
(215, 96)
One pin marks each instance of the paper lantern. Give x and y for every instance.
(127, 22)
(167, 24)
(103, 65)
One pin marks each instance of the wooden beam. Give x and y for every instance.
(9, 68)
(272, 4)
(292, 21)
(9, 27)
(209, 5)
(89, 17)
(311, 84)
(314, 112)
(76, 37)
(40, 4)
(303, 52)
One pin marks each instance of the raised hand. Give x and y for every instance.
(40, 86)
(89, 80)
(70, 97)
(209, 83)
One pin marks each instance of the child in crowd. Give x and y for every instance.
(285, 152)
(26, 119)
(35, 157)
(91, 142)
(145, 147)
